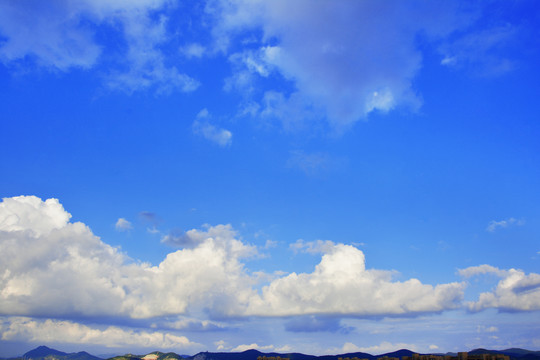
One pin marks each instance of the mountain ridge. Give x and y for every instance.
(45, 353)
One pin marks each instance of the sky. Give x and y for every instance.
(312, 176)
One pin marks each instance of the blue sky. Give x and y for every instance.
(321, 177)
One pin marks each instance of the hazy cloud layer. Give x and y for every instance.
(53, 331)
(59, 268)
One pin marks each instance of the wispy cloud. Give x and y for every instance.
(315, 163)
(63, 36)
(312, 247)
(482, 51)
(495, 225)
(201, 126)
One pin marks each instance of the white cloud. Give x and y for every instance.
(495, 225)
(201, 126)
(350, 58)
(51, 331)
(340, 284)
(123, 225)
(516, 291)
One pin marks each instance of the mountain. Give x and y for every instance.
(42, 352)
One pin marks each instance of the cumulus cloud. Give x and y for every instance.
(341, 285)
(496, 225)
(56, 331)
(123, 225)
(322, 49)
(56, 268)
(61, 35)
(201, 126)
(516, 291)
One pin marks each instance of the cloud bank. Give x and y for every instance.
(57, 268)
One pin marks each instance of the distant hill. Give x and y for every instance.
(514, 353)
(45, 353)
